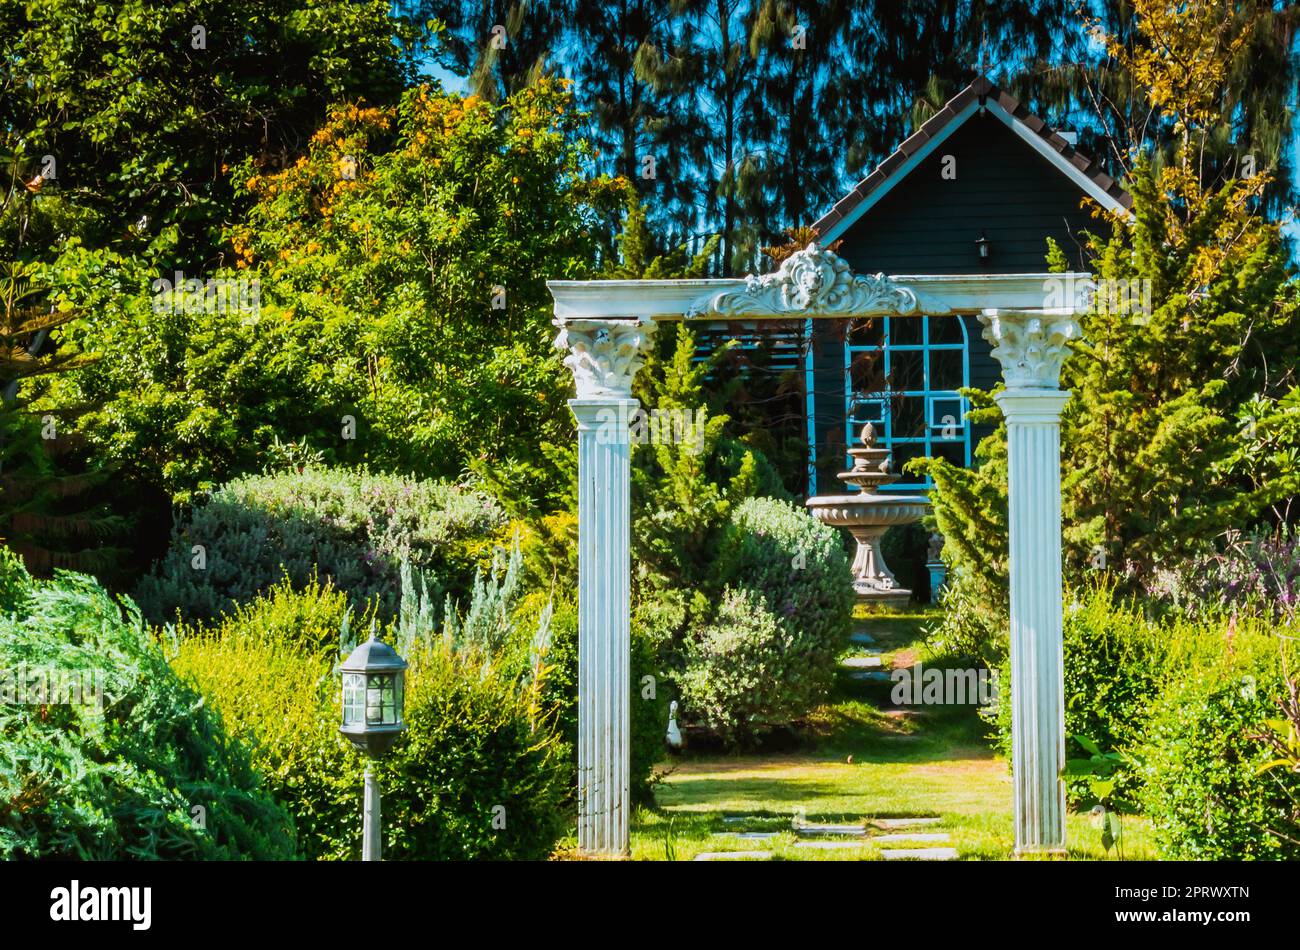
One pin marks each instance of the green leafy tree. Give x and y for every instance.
(143, 106)
(401, 318)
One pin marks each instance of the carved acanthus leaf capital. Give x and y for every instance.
(816, 282)
(604, 355)
(1030, 346)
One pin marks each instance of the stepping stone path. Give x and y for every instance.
(733, 856)
(861, 663)
(920, 854)
(861, 636)
(832, 837)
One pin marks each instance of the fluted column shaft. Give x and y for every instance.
(604, 635)
(1037, 683)
(1031, 346)
(604, 355)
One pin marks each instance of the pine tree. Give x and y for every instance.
(797, 46)
(501, 49)
(637, 92)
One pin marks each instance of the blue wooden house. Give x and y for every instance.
(977, 189)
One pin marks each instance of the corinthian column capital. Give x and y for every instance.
(1031, 345)
(604, 355)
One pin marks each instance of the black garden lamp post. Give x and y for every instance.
(373, 680)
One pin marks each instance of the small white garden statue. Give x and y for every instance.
(674, 736)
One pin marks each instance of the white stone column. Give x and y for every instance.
(1031, 346)
(604, 356)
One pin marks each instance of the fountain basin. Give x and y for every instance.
(868, 517)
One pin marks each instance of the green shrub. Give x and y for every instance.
(350, 528)
(476, 738)
(1200, 759)
(779, 603)
(149, 773)
(970, 627)
(796, 564)
(277, 694)
(745, 675)
(473, 757)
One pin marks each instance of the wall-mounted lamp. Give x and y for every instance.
(982, 245)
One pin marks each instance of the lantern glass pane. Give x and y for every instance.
(380, 707)
(354, 698)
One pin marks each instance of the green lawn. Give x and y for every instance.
(859, 763)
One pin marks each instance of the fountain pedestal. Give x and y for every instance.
(868, 516)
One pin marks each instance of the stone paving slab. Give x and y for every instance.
(904, 822)
(746, 835)
(861, 663)
(912, 836)
(920, 854)
(856, 831)
(870, 676)
(829, 845)
(733, 856)
(861, 636)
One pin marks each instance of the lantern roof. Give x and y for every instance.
(373, 656)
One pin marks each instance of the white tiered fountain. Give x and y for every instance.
(868, 516)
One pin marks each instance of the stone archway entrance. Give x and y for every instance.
(606, 327)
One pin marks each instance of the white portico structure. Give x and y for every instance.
(606, 327)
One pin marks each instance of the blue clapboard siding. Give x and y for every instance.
(926, 224)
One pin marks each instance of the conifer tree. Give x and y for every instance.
(47, 511)
(1194, 326)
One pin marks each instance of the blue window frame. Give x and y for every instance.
(903, 373)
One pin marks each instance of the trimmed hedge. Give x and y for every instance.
(795, 563)
(349, 528)
(744, 674)
(152, 776)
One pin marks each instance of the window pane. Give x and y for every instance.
(906, 372)
(866, 372)
(945, 369)
(909, 417)
(904, 330)
(867, 410)
(945, 330)
(954, 452)
(946, 414)
(867, 332)
(903, 451)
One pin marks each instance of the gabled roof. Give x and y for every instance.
(1079, 168)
